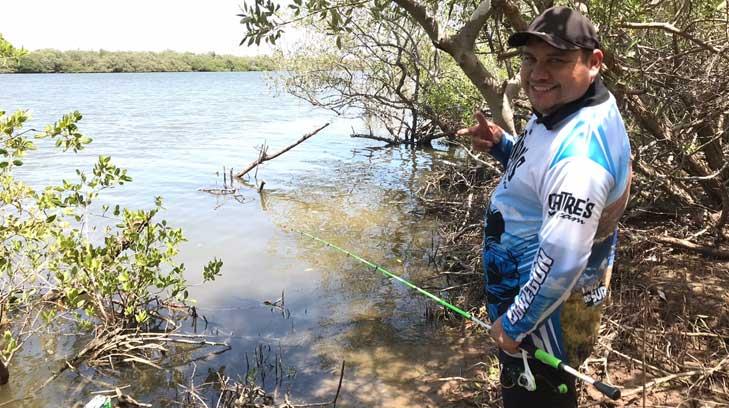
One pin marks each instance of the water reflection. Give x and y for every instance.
(359, 198)
(374, 324)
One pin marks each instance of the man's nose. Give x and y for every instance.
(539, 72)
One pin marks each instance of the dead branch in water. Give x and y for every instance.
(263, 157)
(123, 346)
(219, 191)
(235, 394)
(110, 348)
(388, 141)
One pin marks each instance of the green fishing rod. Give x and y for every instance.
(530, 349)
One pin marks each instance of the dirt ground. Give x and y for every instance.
(666, 327)
(664, 334)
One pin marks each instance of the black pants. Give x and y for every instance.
(548, 380)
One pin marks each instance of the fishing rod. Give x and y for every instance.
(536, 352)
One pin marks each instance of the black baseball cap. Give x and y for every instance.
(560, 27)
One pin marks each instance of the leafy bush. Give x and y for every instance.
(54, 261)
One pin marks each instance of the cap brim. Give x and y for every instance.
(521, 38)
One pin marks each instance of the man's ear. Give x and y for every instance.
(595, 62)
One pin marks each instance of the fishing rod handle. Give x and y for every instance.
(541, 355)
(552, 361)
(608, 390)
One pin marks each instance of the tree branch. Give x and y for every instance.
(634, 391)
(420, 14)
(461, 47)
(682, 243)
(265, 157)
(468, 33)
(512, 14)
(673, 30)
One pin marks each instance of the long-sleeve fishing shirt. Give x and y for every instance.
(550, 228)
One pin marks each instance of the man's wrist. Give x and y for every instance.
(509, 328)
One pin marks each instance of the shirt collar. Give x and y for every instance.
(596, 94)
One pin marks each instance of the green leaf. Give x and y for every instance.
(141, 317)
(212, 270)
(17, 162)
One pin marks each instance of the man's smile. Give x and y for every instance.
(543, 88)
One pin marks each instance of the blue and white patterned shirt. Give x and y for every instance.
(551, 224)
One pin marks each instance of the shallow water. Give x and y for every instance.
(175, 133)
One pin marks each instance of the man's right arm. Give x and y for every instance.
(502, 150)
(487, 136)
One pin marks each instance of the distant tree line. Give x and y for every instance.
(49, 60)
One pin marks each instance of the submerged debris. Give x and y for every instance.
(228, 393)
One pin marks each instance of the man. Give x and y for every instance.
(550, 228)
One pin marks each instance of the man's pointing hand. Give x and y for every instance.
(484, 135)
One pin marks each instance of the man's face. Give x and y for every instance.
(554, 77)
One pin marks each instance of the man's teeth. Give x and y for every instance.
(541, 88)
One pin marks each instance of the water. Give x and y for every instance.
(176, 133)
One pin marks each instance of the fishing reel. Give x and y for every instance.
(523, 377)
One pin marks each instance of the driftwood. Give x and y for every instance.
(265, 157)
(658, 381)
(389, 141)
(112, 347)
(233, 394)
(682, 243)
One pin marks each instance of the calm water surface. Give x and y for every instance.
(175, 133)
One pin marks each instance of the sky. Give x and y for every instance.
(126, 25)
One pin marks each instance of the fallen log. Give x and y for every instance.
(263, 157)
(682, 243)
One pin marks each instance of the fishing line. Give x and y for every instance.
(539, 354)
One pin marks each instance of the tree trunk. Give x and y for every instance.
(479, 76)
(461, 46)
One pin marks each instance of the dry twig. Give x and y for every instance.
(263, 157)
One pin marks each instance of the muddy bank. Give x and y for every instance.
(664, 335)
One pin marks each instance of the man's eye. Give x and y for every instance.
(556, 61)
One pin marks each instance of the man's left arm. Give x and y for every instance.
(573, 193)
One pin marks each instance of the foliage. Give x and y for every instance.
(53, 260)
(451, 95)
(667, 67)
(264, 20)
(387, 70)
(8, 53)
(665, 63)
(48, 60)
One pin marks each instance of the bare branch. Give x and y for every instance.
(472, 27)
(373, 137)
(512, 14)
(673, 30)
(265, 157)
(682, 243)
(420, 14)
